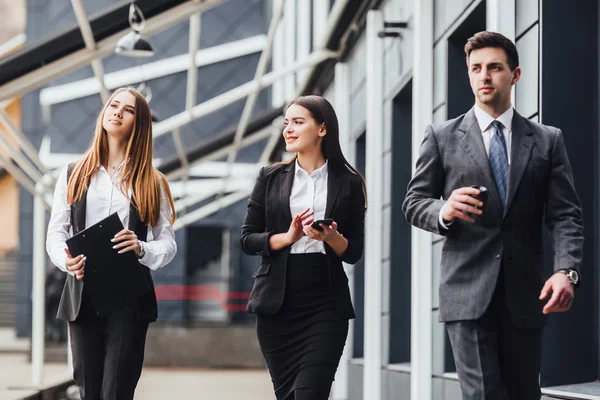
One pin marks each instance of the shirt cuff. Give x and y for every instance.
(443, 224)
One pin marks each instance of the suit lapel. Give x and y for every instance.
(522, 144)
(334, 182)
(472, 143)
(286, 180)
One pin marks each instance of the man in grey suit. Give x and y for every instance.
(492, 289)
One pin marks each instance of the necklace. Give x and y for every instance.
(114, 167)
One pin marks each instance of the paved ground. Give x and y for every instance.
(155, 383)
(15, 379)
(198, 384)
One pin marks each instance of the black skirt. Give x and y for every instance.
(303, 342)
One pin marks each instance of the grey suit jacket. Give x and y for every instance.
(540, 190)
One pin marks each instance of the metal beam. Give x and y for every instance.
(179, 147)
(257, 137)
(265, 56)
(320, 44)
(83, 57)
(238, 93)
(211, 208)
(210, 188)
(15, 153)
(22, 140)
(90, 44)
(192, 76)
(12, 44)
(16, 173)
(217, 169)
(276, 131)
(157, 69)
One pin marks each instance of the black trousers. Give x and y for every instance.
(108, 352)
(308, 394)
(496, 360)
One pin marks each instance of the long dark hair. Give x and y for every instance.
(323, 113)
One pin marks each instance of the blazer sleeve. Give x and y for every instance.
(423, 203)
(563, 215)
(255, 240)
(356, 232)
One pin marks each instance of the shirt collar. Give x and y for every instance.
(484, 120)
(317, 173)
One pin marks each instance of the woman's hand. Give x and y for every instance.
(126, 241)
(328, 232)
(75, 265)
(329, 235)
(295, 232)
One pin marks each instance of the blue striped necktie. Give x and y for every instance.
(499, 161)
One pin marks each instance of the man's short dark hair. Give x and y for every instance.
(493, 39)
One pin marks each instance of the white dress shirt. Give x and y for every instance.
(484, 120)
(309, 191)
(104, 197)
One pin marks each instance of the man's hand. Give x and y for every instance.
(563, 293)
(461, 202)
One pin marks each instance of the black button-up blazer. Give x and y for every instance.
(269, 213)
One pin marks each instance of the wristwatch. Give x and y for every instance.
(142, 252)
(572, 274)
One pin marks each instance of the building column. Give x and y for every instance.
(289, 23)
(373, 331)
(501, 17)
(421, 247)
(342, 107)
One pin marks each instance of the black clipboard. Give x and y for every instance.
(112, 280)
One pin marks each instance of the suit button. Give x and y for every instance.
(497, 256)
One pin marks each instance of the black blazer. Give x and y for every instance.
(70, 300)
(269, 213)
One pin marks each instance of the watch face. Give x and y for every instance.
(574, 275)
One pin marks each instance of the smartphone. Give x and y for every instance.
(483, 196)
(327, 222)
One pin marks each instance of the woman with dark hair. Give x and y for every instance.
(300, 293)
(114, 175)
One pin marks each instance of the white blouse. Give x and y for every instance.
(309, 191)
(104, 197)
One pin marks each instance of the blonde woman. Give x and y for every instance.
(114, 175)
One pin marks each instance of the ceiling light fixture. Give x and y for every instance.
(133, 44)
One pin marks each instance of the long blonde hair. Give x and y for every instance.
(138, 176)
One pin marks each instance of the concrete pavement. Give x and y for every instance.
(204, 384)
